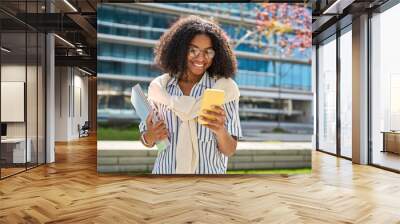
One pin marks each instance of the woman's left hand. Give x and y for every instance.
(217, 123)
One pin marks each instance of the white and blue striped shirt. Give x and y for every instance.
(211, 160)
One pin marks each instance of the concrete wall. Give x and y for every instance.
(109, 161)
(132, 156)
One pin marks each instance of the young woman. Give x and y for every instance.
(196, 55)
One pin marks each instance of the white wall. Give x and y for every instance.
(13, 73)
(70, 84)
(33, 126)
(81, 94)
(61, 103)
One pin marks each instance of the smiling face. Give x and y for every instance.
(200, 55)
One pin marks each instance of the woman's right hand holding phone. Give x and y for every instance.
(155, 131)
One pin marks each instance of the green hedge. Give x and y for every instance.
(122, 132)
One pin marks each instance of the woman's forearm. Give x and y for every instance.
(226, 143)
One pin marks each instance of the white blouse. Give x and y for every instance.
(211, 160)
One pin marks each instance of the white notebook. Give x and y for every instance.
(142, 108)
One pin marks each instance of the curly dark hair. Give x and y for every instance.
(172, 50)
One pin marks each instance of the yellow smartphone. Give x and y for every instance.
(210, 97)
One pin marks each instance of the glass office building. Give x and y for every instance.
(275, 91)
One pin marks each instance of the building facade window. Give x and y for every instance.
(263, 80)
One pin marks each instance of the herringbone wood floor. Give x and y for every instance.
(70, 191)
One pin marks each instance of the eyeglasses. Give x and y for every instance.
(195, 52)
